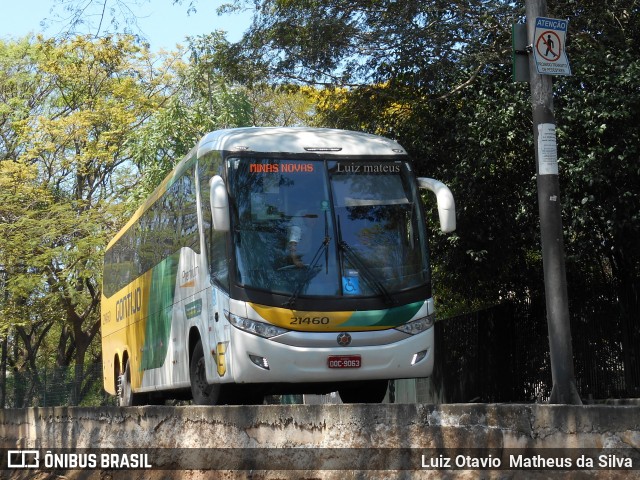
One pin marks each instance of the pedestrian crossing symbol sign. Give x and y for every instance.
(549, 46)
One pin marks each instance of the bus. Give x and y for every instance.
(271, 261)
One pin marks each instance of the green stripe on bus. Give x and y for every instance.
(158, 328)
(384, 318)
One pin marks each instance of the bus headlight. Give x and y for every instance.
(418, 326)
(261, 329)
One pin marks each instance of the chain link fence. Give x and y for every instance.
(502, 354)
(54, 387)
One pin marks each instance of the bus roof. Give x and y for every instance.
(298, 140)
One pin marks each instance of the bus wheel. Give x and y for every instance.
(371, 391)
(125, 393)
(203, 393)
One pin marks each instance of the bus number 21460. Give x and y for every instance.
(309, 321)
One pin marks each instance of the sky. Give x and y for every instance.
(162, 23)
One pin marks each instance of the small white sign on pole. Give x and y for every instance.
(547, 149)
(549, 47)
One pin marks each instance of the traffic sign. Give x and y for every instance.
(549, 46)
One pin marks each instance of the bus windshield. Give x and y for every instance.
(327, 228)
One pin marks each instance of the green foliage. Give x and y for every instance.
(200, 102)
(281, 105)
(600, 142)
(367, 42)
(21, 93)
(60, 198)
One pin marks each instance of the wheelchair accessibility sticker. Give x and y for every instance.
(351, 283)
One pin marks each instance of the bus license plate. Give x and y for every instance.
(344, 361)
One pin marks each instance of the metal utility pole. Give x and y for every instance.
(555, 282)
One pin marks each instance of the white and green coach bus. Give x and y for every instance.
(273, 260)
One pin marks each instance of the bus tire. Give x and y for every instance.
(126, 397)
(370, 391)
(203, 393)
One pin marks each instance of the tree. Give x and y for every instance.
(599, 153)
(22, 92)
(281, 105)
(206, 100)
(367, 42)
(201, 101)
(76, 172)
(91, 121)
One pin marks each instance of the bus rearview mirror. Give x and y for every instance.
(219, 204)
(446, 204)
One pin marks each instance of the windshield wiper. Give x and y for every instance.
(324, 246)
(368, 276)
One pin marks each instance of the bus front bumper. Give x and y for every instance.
(259, 360)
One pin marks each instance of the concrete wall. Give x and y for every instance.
(391, 436)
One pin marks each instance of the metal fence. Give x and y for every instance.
(502, 354)
(54, 387)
